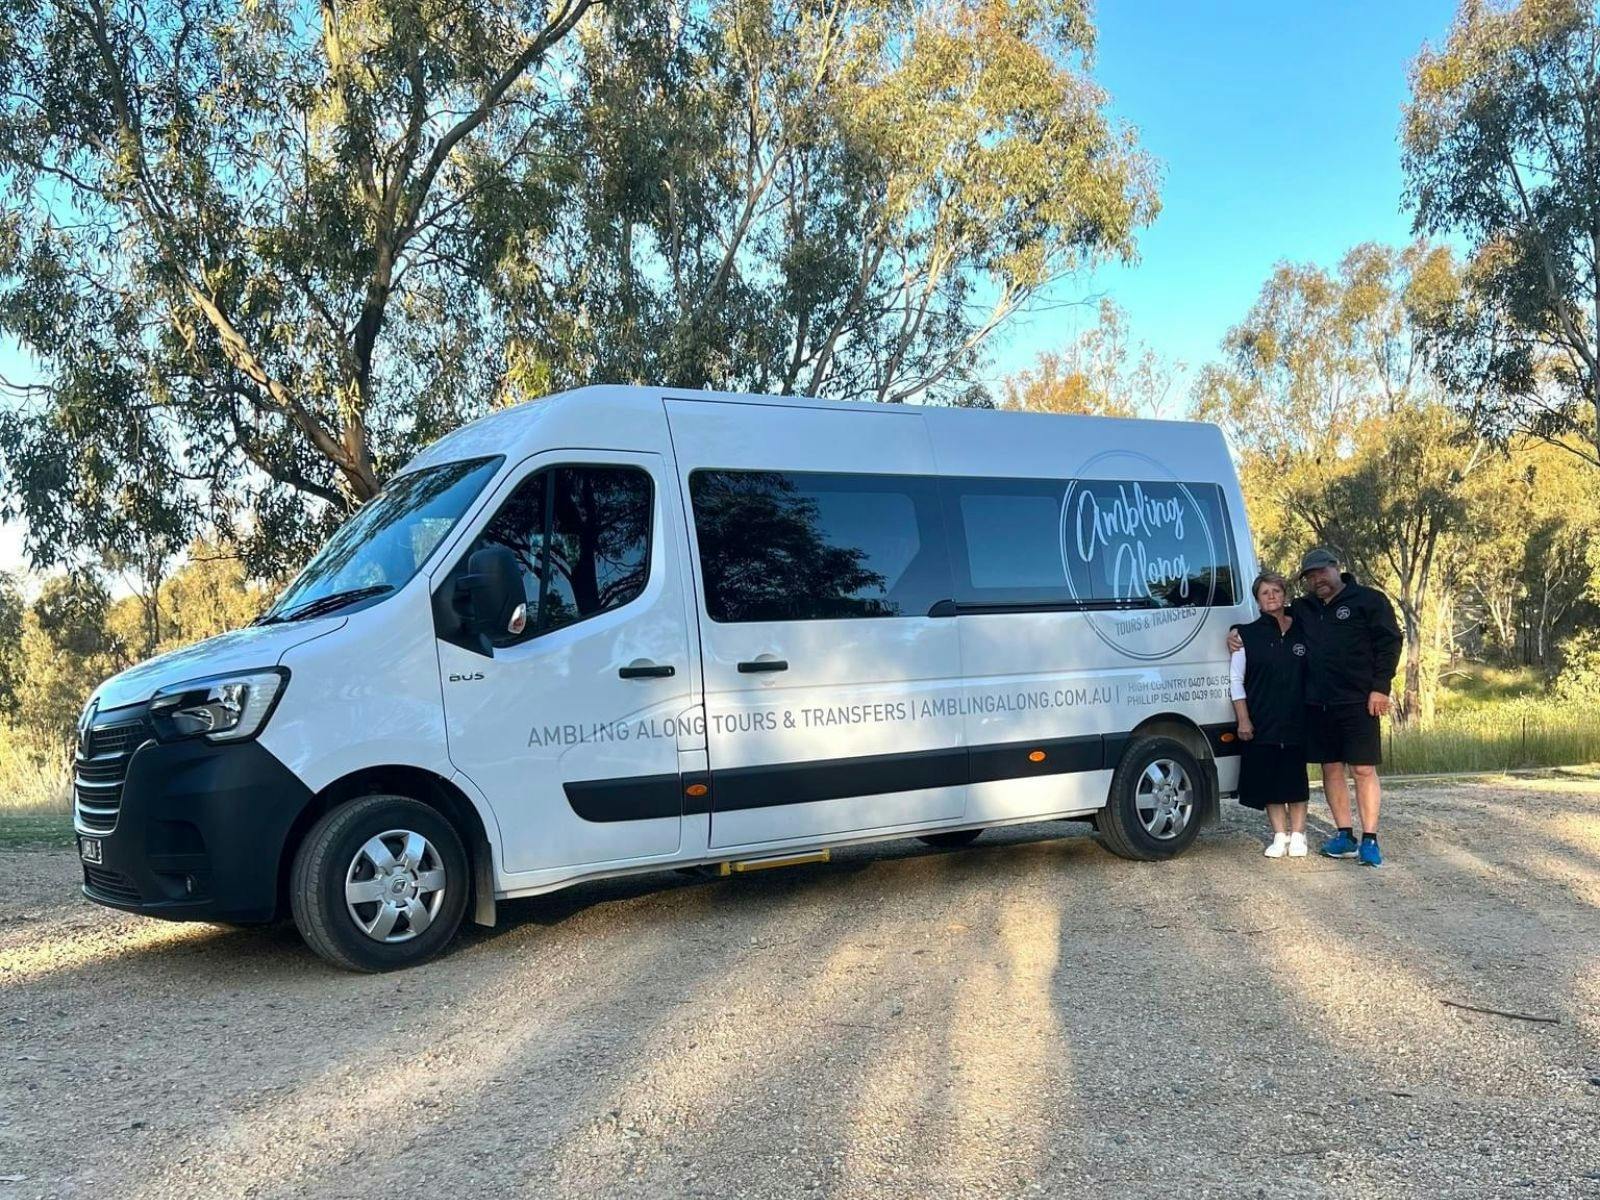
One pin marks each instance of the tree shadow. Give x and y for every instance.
(900, 1022)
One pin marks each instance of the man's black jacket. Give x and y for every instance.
(1355, 644)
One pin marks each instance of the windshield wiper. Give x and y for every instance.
(326, 604)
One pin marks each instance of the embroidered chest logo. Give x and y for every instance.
(1343, 613)
(1299, 649)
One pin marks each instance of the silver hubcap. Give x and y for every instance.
(394, 886)
(1165, 799)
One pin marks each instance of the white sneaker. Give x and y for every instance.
(1297, 845)
(1279, 846)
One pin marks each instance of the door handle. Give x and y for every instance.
(763, 664)
(642, 668)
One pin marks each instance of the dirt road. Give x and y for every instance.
(1029, 1016)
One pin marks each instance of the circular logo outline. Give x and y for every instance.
(1205, 526)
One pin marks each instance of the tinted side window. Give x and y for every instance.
(519, 526)
(599, 547)
(1094, 543)
(1010, 536)
(582, 537)
(798, 546)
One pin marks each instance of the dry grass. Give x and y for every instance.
(32, 780)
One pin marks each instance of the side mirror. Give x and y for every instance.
(489, 596)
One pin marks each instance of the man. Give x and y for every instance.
(1355, 648)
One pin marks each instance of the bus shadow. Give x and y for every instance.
(779, 883)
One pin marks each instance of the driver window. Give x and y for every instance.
(581, 535)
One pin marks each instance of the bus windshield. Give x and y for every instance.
(378, 550)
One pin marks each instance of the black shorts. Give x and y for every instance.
(1343, 733)
(1271, 774)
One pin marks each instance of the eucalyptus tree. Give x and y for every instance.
(1501, 148)
(249, 247)
(1101, 372)
(1344, 433)
(843, 198)
(260, 251)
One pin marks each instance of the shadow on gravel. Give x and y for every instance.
(65, 956)
(1026, 1010)
(550, 1032)
(554, 908)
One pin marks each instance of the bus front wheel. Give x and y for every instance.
(379, 883)
(1158, 794)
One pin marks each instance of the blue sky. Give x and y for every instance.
(1275, 124)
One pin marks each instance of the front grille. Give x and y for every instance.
(98, 770)
(112, 885)
(120, 738)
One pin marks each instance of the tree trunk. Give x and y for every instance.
(1543, 632)
(1594, 389)
(1409, 709)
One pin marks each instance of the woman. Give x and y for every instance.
(1269, 700)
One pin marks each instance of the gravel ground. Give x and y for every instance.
(1026, 1017)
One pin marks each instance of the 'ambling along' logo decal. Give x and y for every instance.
(1143, 557)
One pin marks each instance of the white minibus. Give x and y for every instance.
(624, 629)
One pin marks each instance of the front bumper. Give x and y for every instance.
(200, 833)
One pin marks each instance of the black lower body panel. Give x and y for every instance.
(200, 835)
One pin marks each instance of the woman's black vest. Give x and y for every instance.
(1275, 680)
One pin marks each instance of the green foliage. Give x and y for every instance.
(264, 251)
(1344, 438)
(1397, 506)
(67, 647)
(1493, 719)
(1514, 736)
(1578, 682)
(1526, 564)
(253, 247)
(1475, 686)
(26, 829)
(74, 634)
(33, 774)
(12, 610)
(835, 199)
(1499, 145)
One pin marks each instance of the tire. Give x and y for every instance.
(1146, 817)
(953, 840)
(389, 849)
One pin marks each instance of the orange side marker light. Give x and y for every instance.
(1036, 756)
(696, 789)
(1227, 737)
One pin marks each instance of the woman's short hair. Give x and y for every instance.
(1268, 577)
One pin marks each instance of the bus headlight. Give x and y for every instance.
(219, 708)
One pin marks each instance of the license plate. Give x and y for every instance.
(90, 849)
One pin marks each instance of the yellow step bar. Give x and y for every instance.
(776, 860)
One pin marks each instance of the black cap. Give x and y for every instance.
(1318, 556)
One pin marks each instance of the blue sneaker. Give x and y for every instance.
(1370, 854)
(1340, 845)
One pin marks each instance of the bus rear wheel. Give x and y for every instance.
(1158, 793)
(379, 883)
